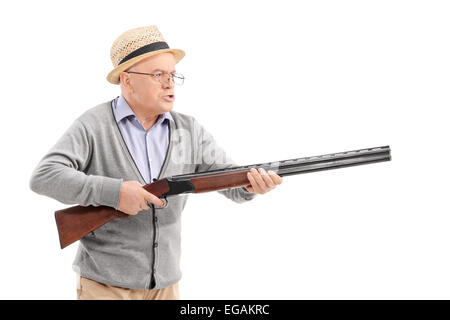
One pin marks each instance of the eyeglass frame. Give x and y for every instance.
(172, 75)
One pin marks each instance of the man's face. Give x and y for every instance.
(146, 92)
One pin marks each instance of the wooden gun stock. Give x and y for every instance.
(76, 222)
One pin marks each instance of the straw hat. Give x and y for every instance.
(136, 44)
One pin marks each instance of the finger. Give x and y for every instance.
(145, 206)
(275, 177)
(268, 183)
(265, 176)
(260, 184)
(253, 182)
(249, 188)
(149, 197)
(259, 179)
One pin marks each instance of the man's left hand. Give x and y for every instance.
(262, 181)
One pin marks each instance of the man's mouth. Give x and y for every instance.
(169, 97)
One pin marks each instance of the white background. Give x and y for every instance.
(271, 81)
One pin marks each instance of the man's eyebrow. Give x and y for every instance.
(163, 70)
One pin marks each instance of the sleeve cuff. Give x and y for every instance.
(110, 194)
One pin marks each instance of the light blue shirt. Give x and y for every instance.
(148, 148)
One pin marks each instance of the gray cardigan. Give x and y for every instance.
(87, 166)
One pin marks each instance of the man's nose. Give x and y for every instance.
(168, 83)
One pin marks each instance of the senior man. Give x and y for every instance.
(116, 147)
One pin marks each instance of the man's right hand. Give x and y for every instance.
(134, 198)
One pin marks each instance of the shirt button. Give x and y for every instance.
(150, 159)
(156, 219)
(155, 245)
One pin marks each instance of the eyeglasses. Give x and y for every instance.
(177, 78)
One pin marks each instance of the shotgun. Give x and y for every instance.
(76, 222)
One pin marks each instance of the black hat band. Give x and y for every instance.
(145, 49)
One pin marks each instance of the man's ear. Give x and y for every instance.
(125, 81)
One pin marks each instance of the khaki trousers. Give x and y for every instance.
(88, 289)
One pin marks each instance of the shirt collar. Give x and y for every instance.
(123, 110)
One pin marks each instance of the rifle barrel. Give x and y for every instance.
(306, 164)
